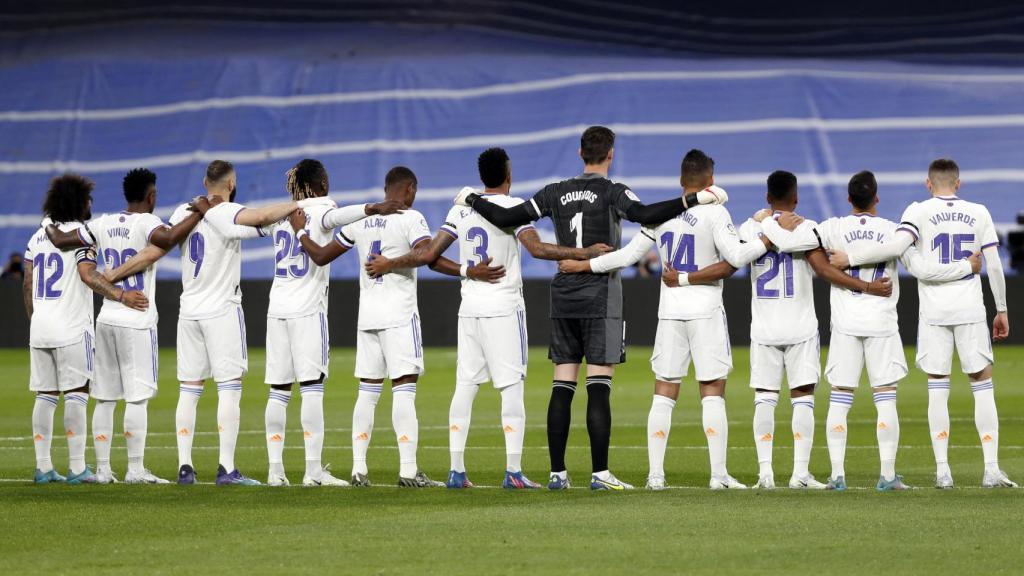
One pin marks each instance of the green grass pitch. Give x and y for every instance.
(384, 530)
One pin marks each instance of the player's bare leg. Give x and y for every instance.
(986, 419)
(716, 430)
(403, 418)
(836, 431)
(563, 388)
(938, 427)
(802, 399)
(362, 427)
(275, 419)
(185, 424)
(659, 425)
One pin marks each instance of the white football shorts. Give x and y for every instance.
(298, 349)
(390, 352)
(800, 363)
(492, 349)
(935, 347)
(62, 369)
(213, 348)
(847, 356)
(126, 363)
(704, 341)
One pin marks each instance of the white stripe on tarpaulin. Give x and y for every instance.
(519, 139)
(499, 89)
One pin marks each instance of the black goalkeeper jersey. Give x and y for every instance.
(585, 210)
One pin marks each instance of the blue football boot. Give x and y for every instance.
(48, 477)
(458, 480)
(558, 483)
(233, 478)
(890, 485)
(186, 475)
(84, 477)
(518, 481)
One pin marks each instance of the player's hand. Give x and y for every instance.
(1000, 327)
(200, 204)
(975, 260)
(384, 208)
(596, 250)
(839, 259)
(572, 266)
(298, 219)
(669, 276)
(761, 214)
(377, 265)
(710, 195)
(484, 272)
(462, 198)
(881, 287)
(135, 300)
(790, 220)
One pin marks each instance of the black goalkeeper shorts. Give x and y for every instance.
(598, 340)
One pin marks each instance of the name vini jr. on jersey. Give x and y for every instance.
(118, 233)
(579, 196)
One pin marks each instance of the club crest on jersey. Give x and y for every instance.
(579, 196)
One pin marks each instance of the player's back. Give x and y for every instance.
(949, 229)
(62, 307)
(586, 210)
(300, 286)
(687, 243)
(211, 266)
(118, 238)
(390, 300)
(480, 240)
(782, 295)
(855, 313)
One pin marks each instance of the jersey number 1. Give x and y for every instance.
(576, 225)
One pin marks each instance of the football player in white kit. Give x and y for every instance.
(492, 316)
(865, 330)
(388, 340)
(945, 229)
(60, 311)
(701, 247)
(297, 335)
(126, 339)
(784, 330)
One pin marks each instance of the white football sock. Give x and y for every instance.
(102, 432)
(229, 413)
(403, 419)
(659, 424)
(459, 414)
(136, 427)
(803, 433)
(42, 429)
(938, 423)
(716, 429)
(986, 420)
(312, 416)
(362, 424)
(75, 407)
(276, 419)
(888, 432)
(513, 423)
(764, 429)
(839, 405)
(185, 421)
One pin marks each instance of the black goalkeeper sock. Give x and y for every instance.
(599, 419)
(559, 417)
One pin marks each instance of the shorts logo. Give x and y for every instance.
(986, 438)
(101, 438)
(508, 429)
(767, 437)
(660, 435)
(183, 432)
(38, 438)
(710, 432)
(275, 438)
(362, 436)
(942, 435)
(839, 428)
(403, 439)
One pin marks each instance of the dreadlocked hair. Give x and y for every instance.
(67, 199)
(307, 179)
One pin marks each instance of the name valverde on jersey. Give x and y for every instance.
(478, 241)
(388, 301)
(211, 261)
(117, 239)
(949, 229)
(62, 307)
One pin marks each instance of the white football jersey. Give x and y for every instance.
(390, 300)
(698, 238)
(300, 286)
(478, 241)
(118, 238)
(855, 313)
(211, 261)
(782, 296)
(948, 229)
(61, 303)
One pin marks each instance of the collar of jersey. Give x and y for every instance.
(590, 176)
(868, 214)
(946, 197)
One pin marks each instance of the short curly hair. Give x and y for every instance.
(493, 166)
(136, 183)
(68, 197)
